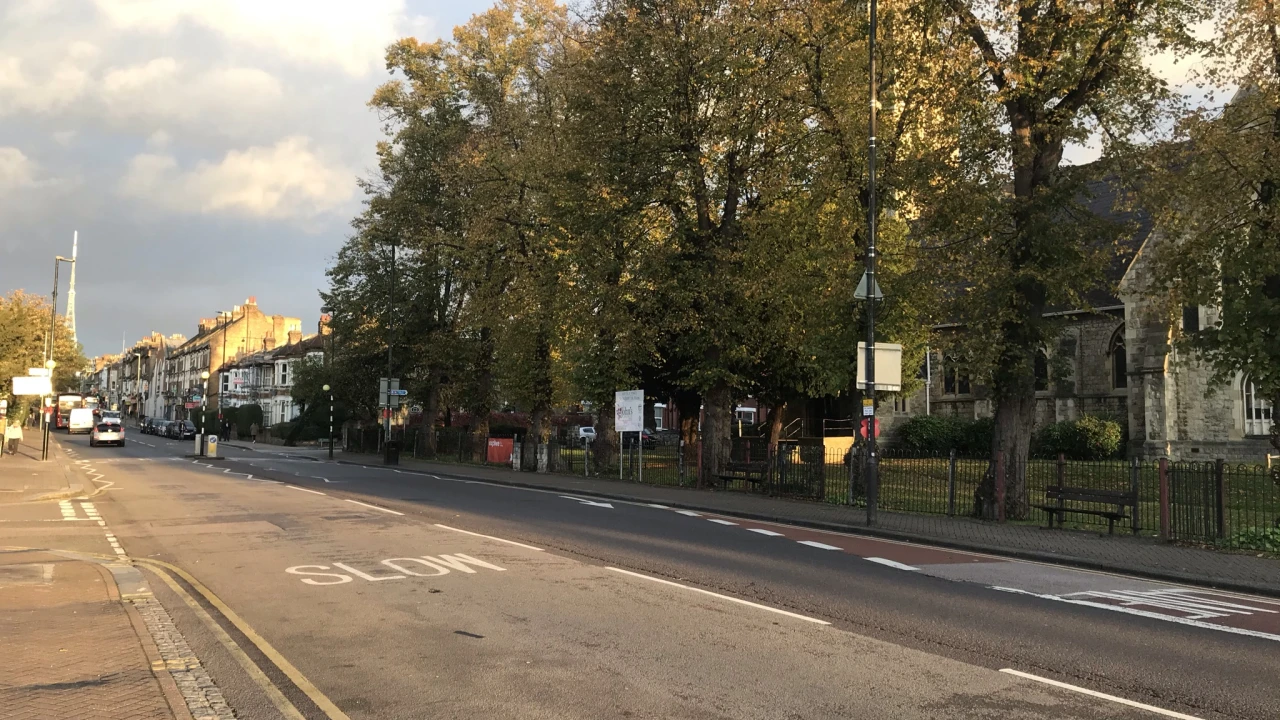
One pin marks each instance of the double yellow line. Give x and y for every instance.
(282, 703)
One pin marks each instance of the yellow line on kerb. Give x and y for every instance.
(273, 693)
(295, 675)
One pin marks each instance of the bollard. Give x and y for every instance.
(1164, 499)
(211, 446)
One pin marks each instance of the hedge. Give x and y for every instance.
(1088, 438)
(938, 434)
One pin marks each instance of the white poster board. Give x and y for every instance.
(27, 385)
(628, 411)
(888, 366)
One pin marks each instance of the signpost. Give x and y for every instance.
(628, 416)
(29, 385)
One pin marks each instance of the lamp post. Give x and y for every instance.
(869, 399)
(330, 391)
(204, 400)
(49, 359)
(53, 408)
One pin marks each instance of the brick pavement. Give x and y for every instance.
(1144, 557)
(71, 648)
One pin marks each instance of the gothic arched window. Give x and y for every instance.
(1258, 412)
(1119, 360)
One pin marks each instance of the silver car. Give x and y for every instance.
(107, 433)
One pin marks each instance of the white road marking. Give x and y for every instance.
(660, 507)
(690, 513)
(1144, 613)
(588, 502)
(313, 492)
(375, 507)
(1176, 599)
(718, 521)
(68, 510)
(740, 601)
(489, 537)
(762, 531)
(891, 563)
(1095, 693)
(821, 546)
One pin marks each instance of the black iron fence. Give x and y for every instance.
(1214, 503)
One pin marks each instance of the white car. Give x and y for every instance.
(107, 433)
(112, 416)
(587, 433)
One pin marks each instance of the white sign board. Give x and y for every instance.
(628, 410)
(888, 366)
(32, 385)
(39, 372)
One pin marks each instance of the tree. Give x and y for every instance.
(1054, 72)
(24, 333)
(1217, 196)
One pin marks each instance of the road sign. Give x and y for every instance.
(398, 393)
(196, 398)
(191, 405)
(628, 410)
(39, 372)
(862, 427)
(27, 385)
(888, 366)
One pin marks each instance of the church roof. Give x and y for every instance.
(1110, 202)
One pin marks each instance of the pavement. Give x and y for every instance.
(278, 585)
(24, 477)
(1138, 556)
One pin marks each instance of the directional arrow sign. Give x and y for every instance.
(588, 502)
(400, 393)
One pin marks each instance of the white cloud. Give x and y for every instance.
(16, 169)
(335, 33)
(52, 86)
(163, 90)
(284, 181)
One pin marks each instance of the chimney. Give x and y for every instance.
(295, 337)
(253, 300)
(324, 324)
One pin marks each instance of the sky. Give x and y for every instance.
(205, 150)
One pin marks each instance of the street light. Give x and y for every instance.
(52, 403)
(53, 321)
(328, 390)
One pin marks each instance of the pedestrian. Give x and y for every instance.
(13, 436)
(226, 430)
(253, 432)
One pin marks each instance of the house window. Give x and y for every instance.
(1042, 371)
(746, 415)
(226, 382)
(284, 373)
(659, 414)
(955, 381)
(901, 404)
(1258, 412)
(1119, 361)
(1191, 319)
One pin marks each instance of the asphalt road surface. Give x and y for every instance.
(331, 590)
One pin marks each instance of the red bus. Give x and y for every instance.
(66, 403)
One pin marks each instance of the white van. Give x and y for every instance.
(80, 421)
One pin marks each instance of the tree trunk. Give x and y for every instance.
(533, 438)
(776, 413)
(717, 429)
(1011, 438)
(430, 412)
(688, 407)
(605, 447)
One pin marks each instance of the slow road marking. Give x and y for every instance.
(740, 601)
(1095, 693)
(405, 567)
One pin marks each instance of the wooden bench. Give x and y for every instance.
(752, 472)
(1120, 499)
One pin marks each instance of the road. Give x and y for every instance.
(337, 590)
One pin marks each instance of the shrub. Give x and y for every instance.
(246, 416)
(1265, 539)
(975, 436)
(1089, 438)
(929, 434)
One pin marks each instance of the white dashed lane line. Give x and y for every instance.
(762, 531)
(375, 507)
(690, 513)
(891, 563)
(718, 521)
(306, 490)
(820, 546)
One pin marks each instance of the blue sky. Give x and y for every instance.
(205, 150)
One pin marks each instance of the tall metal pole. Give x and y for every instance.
(873, 461)
(53, 322)
(386, 428)
(330, 426)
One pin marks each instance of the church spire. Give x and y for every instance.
(71, 293)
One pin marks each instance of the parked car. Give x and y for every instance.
(159, 427)
(186, 430)
(650, 440)
(586, 433)
(107, 433)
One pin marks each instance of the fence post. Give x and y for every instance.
(1219, 496)
(1164, 499)
(1135, 487)
(951, 483)
(1000, 486)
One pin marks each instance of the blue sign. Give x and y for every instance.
(400, 393)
